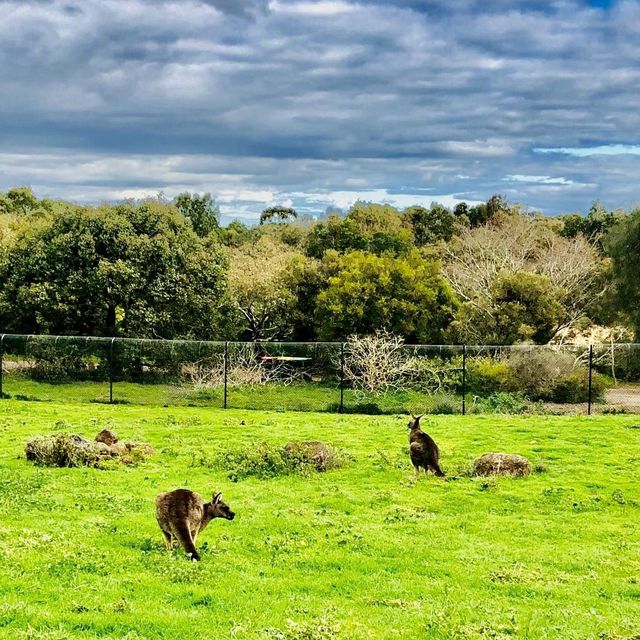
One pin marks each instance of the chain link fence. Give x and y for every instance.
(352, 377)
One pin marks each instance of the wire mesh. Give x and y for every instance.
(63, 368)
(284, 376)
(335, 377)
(616, 378)
(383, 378)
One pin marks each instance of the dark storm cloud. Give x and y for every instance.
(319, 102)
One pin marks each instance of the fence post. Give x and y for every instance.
(225, 360)
(341, 409)
(1, 363)
(464, 379)
(111, 371)
(590, 378)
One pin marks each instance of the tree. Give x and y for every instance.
(430, 225)
(278, 213)
(335, 234)
(203, 212)
(260, 290)
(527, 307)
(21, 201)
(479, 257)
(623, 245)
(134, 269)
(368, 227)
(404, 295)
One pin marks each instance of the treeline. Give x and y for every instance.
(484, 274)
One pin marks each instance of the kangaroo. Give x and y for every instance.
(182, 514)
(422, 448)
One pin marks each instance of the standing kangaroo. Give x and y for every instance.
(422, 448)
(182, 514)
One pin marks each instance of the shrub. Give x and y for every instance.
(63, 450)
(503, 402)
(538, 371)
(62, 363)
(487, 375)
(269, 461)
(367, 408)
(574, 387)
(445, 405)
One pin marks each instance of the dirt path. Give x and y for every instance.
(627, 395)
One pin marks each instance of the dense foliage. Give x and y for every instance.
(482, 273)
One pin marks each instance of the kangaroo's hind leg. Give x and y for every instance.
(183, 533)
(168, 540)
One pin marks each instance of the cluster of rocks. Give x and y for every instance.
(72, 450)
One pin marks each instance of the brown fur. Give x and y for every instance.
(423, 449)
(182, 514)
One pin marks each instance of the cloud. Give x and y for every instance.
(601, 150)
(538, 179)
(103, 98)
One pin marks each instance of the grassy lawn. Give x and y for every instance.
(365, 551)
(272, 397)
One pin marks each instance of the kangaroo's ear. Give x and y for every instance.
(217, 497)
(413, 417)
(420, 416)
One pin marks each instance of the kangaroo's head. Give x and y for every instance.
(218, 509)
(414, 423)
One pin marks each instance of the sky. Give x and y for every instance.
(317, 104)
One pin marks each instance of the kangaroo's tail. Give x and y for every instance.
(437, 470)
(183, 534)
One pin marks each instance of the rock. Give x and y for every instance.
(104, 449)
(118, 448)
(316, 453)
(107, 436)
(142, 447)
(502, 464)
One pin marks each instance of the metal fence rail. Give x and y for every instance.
(334, 377)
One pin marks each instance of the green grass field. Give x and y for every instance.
(360, 552)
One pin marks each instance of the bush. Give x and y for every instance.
(445, 405)
(502, 402)
(269, 461)
(57, 363)
(63, 450)
(539, 371)
(487, 375)
(575, 387)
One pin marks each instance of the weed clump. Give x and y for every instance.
(71, 450)
(63, 450)
(264, 460)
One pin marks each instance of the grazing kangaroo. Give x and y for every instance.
(182, 514)
(422, 448)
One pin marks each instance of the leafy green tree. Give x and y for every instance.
(526, 307)
(623, 245)
(21, 201)
(430, 225)
(278, 214)
(203, 212)
(337, 235)
(236, 233)
(404, 295)
(132, 270)
(367, 227)
(572, 225)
